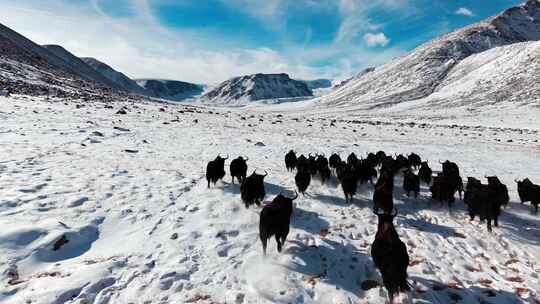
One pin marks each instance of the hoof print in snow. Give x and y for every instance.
(174, 236)
(260, 144)
(131, 151)
(195, 121)
(97, 133)
(121, 112)
(369, 284)
(61, 242)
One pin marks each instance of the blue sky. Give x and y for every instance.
(208, 41)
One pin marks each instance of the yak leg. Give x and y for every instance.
(278, 243)
(496, 221)
(263, 241)
(536, 208)
(489, 225)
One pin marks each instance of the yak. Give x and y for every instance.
(334, 160)
(349, 182)
(352, 159)
(302, 180)
(383, 197)
(483, 201)
(275, 219)
(290, 160)
(321, 161)
(414, 160)
(238, 169)
(252, 189)
(325, 174)
(499, 190)
(390, 255)
(425, 173)
(215, 170)
(529, 192)
(411, 183)
(364, 172)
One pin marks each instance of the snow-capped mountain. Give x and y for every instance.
(118, 78)
(170, 89)
(248, 88)
(426, 69)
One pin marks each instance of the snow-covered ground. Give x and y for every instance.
(128, 193)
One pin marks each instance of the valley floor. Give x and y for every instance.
(128, 192)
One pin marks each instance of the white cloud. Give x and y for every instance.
(377, 39)
(464, 12)
(138, 45)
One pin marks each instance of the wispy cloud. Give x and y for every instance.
(464, 12)
(139, 45)
(378, 39)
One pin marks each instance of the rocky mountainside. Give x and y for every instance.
(118, 78)
(30, 69)
(248, 88)
(170, 89)
(424, 70)
(79, 66)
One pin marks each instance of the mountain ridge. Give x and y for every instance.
(419, 73)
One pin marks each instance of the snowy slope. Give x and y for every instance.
(244, 89)
(170, 89)
(118, 78)
(419, 73)
(129, 195)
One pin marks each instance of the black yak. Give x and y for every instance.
(349, 182)
(411, 183)
(482, 200)
(302, 180)
(252, 189)
(334, 161)
(529, 192)
(215, 170)
(290, 160)
(352, 159)
(414, 160)
(275, 219)
(238, 169)
(390, 256)
(499, 190)
(383, 197)
(425, 173)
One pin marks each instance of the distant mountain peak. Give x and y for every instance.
(258, 86)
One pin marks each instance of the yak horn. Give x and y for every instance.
(295, 195)
(265, 173)
(246, 159)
